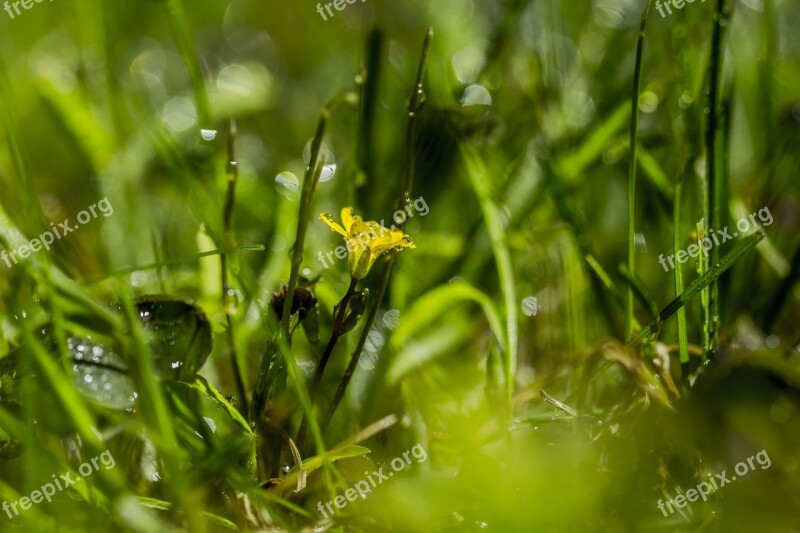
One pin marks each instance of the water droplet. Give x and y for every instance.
(287, 184)
(530, 306)
(773, 341)
(648, 102)
(208, 135)
(179, 114)
(138, 278)
(327, 173)
(306, 272)
(236, 80)
(640, 242)
(391, 319)
(324, 152)
(476, 97)
(686, 99)
(375, 341)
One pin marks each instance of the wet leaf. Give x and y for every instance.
(100, 374)
(180, 335)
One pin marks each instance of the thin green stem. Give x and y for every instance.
(632, 166)
(415, 103)
(362, 339)
(714, 189)
(310, 181)
(677, 232)
(337, 330)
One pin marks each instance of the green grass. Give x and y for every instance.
(556, 376)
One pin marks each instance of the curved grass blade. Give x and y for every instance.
(479, 174)
(180, 260)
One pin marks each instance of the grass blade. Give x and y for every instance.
(632, 166)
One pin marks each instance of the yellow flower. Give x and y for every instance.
(365, 240)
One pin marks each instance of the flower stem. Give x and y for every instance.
(339, 313)
(351, 365)
(336, 332)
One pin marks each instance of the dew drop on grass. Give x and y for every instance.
(476, 100)
(287, 184)
(773, 341)
(324, 153)
(391, 319)
(648, 102)
(139, 278)
(208, 135)
(686, 99)
(236, 81)
(530, 306)
(328, 171)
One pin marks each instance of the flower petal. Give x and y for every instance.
(348, 219)
(396, 239)
(328, 219)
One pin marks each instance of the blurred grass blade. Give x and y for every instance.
(180, 260)
(479, 176)
(428, 307)
(176, 14)
(594, 146)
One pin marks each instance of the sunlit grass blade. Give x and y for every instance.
(479, 176)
